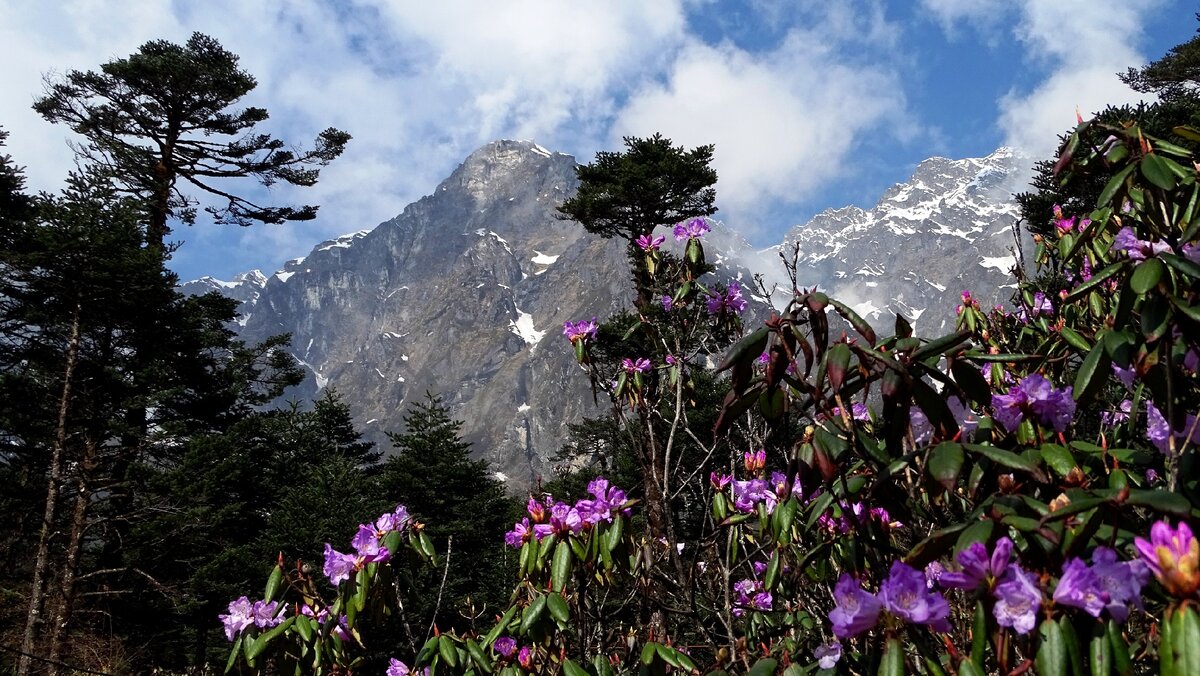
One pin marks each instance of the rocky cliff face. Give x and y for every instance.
(465, 292)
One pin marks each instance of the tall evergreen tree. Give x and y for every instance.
(162, 116)
(464, 506)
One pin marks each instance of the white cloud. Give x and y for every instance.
(784, 124)
(1077, 46)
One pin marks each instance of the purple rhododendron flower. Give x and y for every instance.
(505, 645)
(1138, 249)
(759, 567)
(729, 302)
(762, 601)
(580, 330)
(1080, 588)
(858, 411)
(1191, 252)
(1126, 376)
(395, 520)
(241, 615)
(1172, 554)
(366, 543)
(747, 495)
(828, 654)
(525, 658)
(650, 242)
(1158, 430)
(606, 499)
(1034, 398)
(338, 566)
(397, 668)
(1041, 305)
(1018, 599)
(564, 519)
(906, 596)
(720, 481)
(933, 573)
(641, 365)
(693, 229)
(978, 566)
(519, 535)
(855, 611)
(267, 614)
(1121, 580)
(966, 418)
(667, 303)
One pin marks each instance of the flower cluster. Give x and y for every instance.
(1173, 556)
(368, 546)
(582, 330)
(1107, 584)
(632, 366)
(852, 514)
(693, 229)
(752, 596)
(731, 302)
(1034, 398)
(650, 243)
(1015, 592)
(904, 594)
(1064, 225)
(548, 516)
(243, 613)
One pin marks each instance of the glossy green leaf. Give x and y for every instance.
(979, 634)
(749, 347)
(1093, 373)
(558, 607)
(448, 650)
(532, 614)
(560, 569)
(570, 668)
(1007, 459)
(1156, 318)
(1114, 185)
(1051, 657)
(1146, 275)
(979, 531)
(273, 583)
(763, 667)
(945, 464)
(893, 659)
(862, 327)
(837, 362)
(772, 573)
(1058, 458)
(1157, 170)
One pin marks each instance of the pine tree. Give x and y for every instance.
(463, 505)
(162, 116)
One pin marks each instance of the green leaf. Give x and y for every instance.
(500, 627)
(1157, 170)
(560, 569)
(764, 667)
(480, 658)
(612, 536)
(940, 345)
(1156, 318)
(1099, 277)
(945, 464)
(532, 614)
(979, 531)
(1161, 501)
(1058, 458)
(1093, 373)
(772, 571)
(1182, 265)
(234, 652)
(1051, 657)
(273, 583)
(255, 647)
(572, 669)
(979, 634)
(893, 659)
(1146, 275)
(863, 328)
(1113, 185)
(1008, 459)
(558, 607)
(448, 650)
(972, 382)
(649, 652)
(838, 361)
(751, 346)
(1100, 651)
(1122, 663)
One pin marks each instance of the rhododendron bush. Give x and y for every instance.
(1013, 497)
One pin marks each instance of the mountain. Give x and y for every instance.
(949, 228)
(465, 292)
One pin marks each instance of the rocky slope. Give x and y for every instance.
(465, 292)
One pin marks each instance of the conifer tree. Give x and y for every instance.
(162, 116)
(462, 501)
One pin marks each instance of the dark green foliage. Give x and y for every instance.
(652, 183)
(460, 498)
(162, 116)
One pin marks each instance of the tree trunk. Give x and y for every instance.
(54, 477)
(70, 567)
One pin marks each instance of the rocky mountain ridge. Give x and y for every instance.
(464, 292)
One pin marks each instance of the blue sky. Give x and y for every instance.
(811, 103)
